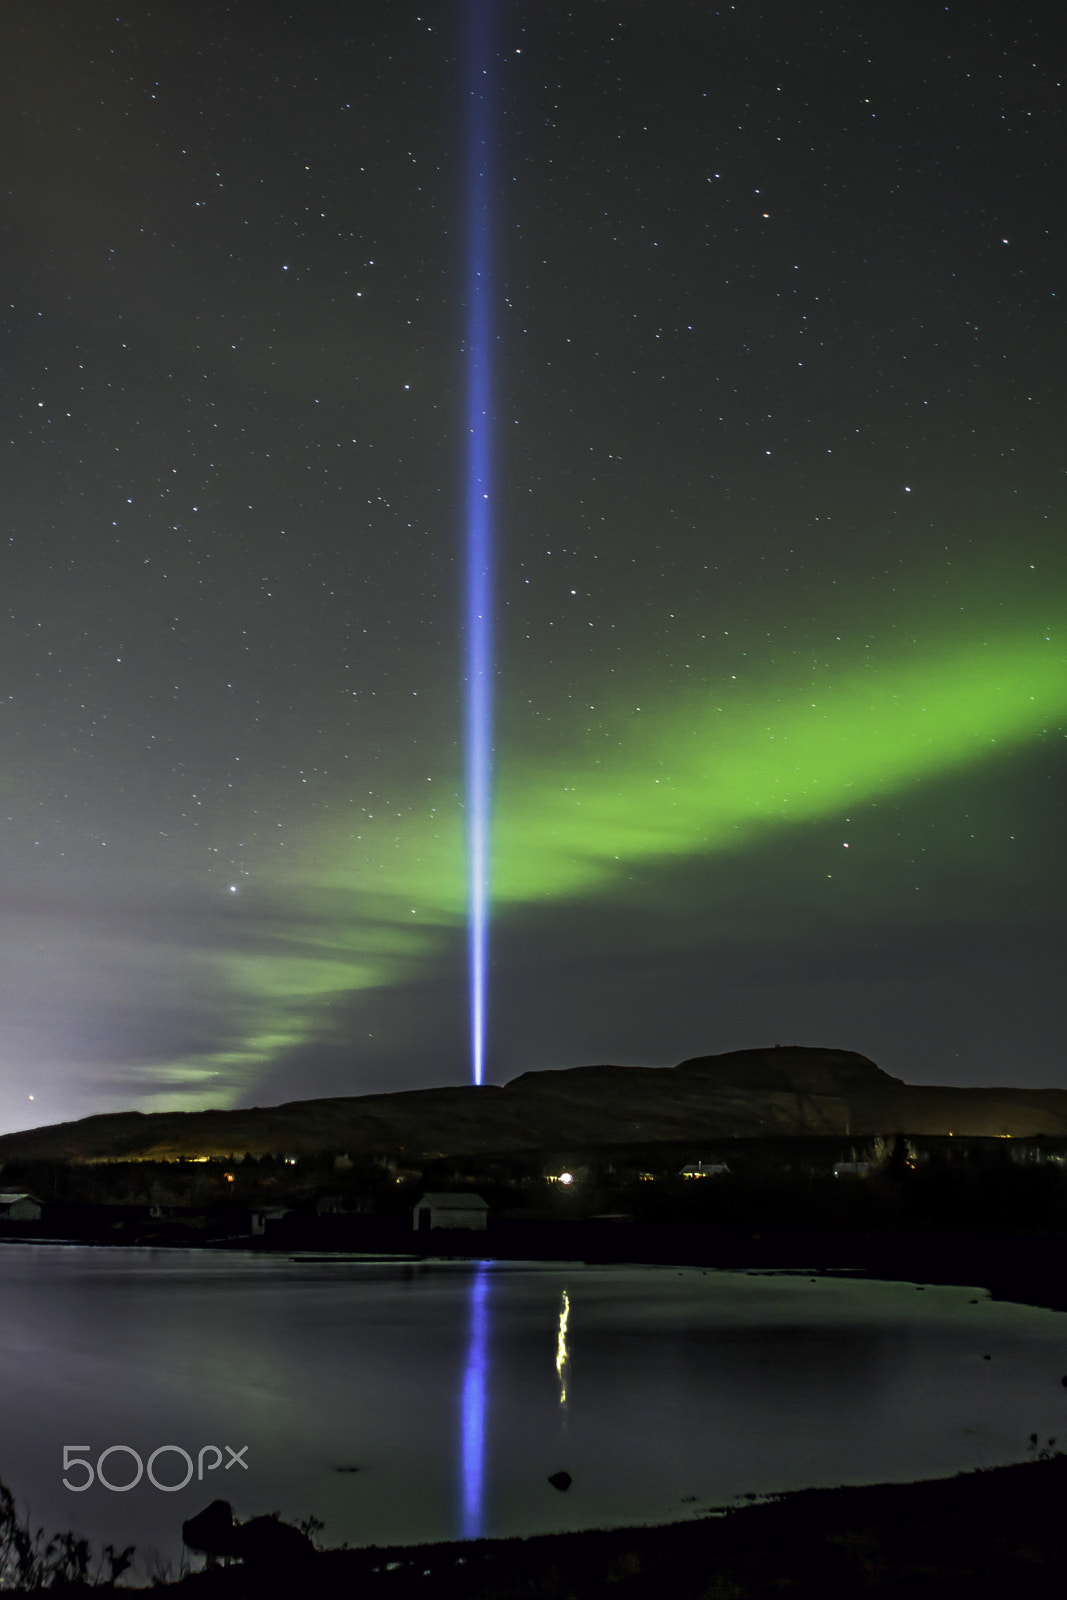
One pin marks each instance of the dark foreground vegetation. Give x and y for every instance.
(983, 1535)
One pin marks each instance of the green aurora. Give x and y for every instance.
(675, 779)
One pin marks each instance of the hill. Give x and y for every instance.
(787, 1091)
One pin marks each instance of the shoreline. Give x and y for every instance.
(1023, 1267)
(983, 1531)
(968, 1527)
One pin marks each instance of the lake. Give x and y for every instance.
(411, 1401)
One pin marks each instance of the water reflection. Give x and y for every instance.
(563, 1359)
(475, 1376)
(403, 1406)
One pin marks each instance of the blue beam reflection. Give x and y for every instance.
(475, 1380)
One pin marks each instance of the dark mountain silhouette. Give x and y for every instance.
(747, 1093)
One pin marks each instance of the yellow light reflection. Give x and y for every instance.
(562, 1355)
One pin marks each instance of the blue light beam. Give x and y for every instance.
(478, 719)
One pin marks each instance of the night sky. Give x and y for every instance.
(780, 678)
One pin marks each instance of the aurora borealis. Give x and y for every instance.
(776, 323)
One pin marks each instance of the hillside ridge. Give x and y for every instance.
(784, 1091)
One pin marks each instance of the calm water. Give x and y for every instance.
(401, 1403)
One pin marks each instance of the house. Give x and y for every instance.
(450, 1211)
(188, 1216)
(1027, 1154)
(704, 1169)
(19, 1207)
(854, 1169)
(339, 1205)
(262, 1215)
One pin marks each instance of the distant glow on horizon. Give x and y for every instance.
(473, 1420)
(478, 721)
